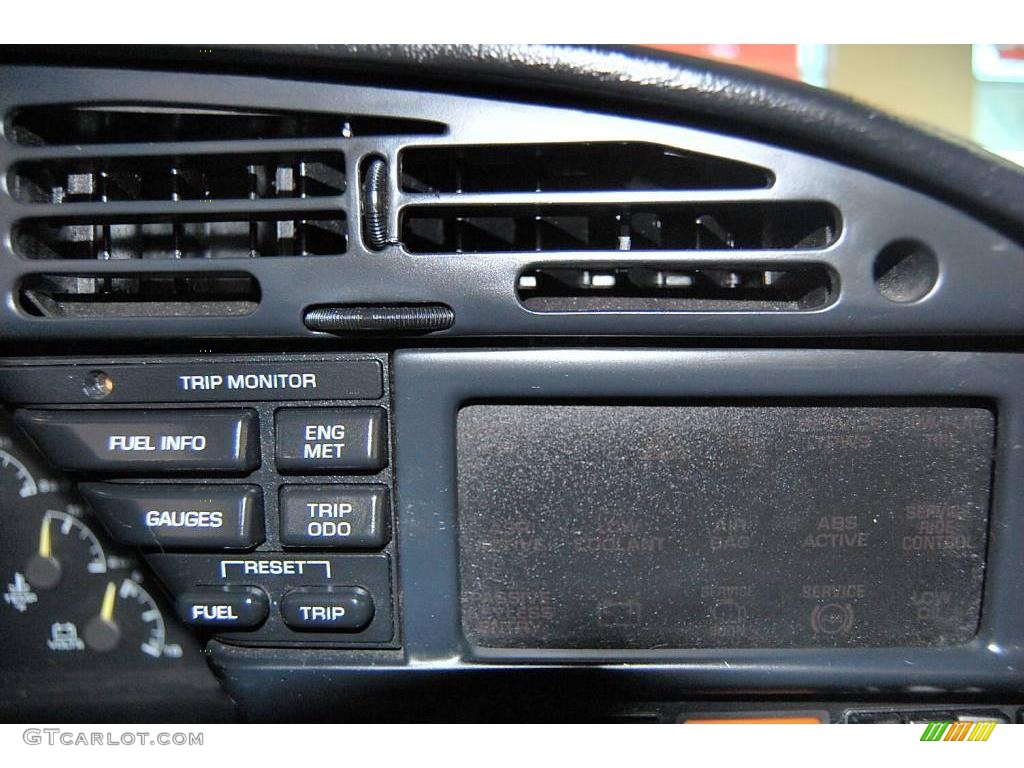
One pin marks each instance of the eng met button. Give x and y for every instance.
(323, 439)
(146, 441)
(199, 517)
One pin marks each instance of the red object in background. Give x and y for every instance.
(776, 59)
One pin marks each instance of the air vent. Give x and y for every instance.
(677, 288)
(217, 294)
(194, 177)
(579, 167)
(611, 227)
(180, 237)
(162, 189)
(135, 123)
(184, 202)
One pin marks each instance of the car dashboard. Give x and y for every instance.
(484, 383)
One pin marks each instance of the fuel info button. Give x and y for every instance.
(231, 608)
(324, 439)
(334, 609)
(150, 441)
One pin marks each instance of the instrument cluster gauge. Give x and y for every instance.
(71, 598)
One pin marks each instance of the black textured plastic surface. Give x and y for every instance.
(375, 203)
(192, 381)
(660, 95)
(479, 284)
(277, 574)
(705, 526)
(422, 318)
(658, 84)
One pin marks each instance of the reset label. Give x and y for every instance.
(276, 568)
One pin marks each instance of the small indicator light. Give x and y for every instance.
(98, 385)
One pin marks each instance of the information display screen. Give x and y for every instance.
(704, 526)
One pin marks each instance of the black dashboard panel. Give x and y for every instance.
(689, 259)
(633, 526)
(543, 382)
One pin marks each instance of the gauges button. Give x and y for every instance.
(227, 608)
(146, 441)
(332, 609)
(198, 517)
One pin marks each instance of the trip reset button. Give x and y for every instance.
(336, 609)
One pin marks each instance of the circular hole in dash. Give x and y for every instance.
(906, 271)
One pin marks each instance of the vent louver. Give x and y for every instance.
(179, 238)
(134, 123)
(174, 200)
(194, 177)
(677, 287)
(614, 227)
(159, 183)
(599, 196)
(213, 294)
(558, 199)
(572, 167)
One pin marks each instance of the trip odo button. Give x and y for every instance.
(324, 439)
(146, 441)
(334, 516)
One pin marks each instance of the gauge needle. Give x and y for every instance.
(102, 633)
(43, 570)
(109, 597)
(45, 540)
